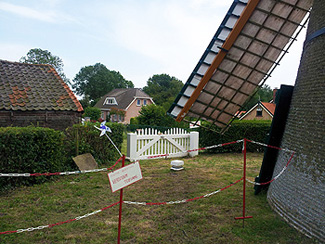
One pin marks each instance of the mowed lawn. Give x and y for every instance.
(206, 220)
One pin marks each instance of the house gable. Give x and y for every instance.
(260, 111)
(129, 100)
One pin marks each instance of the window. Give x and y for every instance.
(138, 102)
(110, 101)
(120, 118)
(144, 102)
(259, 112)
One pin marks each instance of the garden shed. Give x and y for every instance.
(34, 94)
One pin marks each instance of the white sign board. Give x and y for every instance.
(125, 176)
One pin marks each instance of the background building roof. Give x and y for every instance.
(123, 96)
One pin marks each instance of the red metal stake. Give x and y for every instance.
(120, 212)
(244, 188)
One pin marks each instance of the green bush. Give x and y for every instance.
(256, 130)
(30, 150)
(155, 116)
(92, 112)
(82, 139)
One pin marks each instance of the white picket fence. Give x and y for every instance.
(150, 142)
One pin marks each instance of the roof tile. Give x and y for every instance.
(34, 87)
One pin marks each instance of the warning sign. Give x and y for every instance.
(125, 176)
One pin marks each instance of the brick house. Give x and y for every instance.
(123, 104)
(34, 94)
(260, 111)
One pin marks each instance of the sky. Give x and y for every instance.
(138, 38)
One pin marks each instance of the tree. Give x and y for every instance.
(155, 115)
(39, 56)
(263, 94)
(94, 81)
(163, 89)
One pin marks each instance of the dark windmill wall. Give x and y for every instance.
(299, 194)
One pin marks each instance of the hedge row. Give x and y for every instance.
(256, 130)
(38, 150)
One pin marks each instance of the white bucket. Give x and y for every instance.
(177, 165)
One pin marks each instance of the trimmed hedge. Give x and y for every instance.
(40, 150)
(30, 150)
(256, 130)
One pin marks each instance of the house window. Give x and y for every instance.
(138, 102)
(144, 102)
(259, 112)
(120, 118)
(110, 101)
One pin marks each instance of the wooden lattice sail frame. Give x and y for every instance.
(248, 45)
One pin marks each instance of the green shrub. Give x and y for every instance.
(30, 150)
(92, 112)
(256, 130)
(155, 116)
(82, 139)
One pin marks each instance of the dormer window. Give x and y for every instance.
(259, 112)
(138, 102)
(110, 101)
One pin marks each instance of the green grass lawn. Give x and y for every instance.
(207, 220)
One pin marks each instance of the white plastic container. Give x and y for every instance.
(177, 165)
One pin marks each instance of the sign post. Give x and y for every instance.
(121, 178)
(120, 211)
(244, 187)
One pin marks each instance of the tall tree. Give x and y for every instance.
(40, 56)
(94, 81)
(163, 89)
(263, 94)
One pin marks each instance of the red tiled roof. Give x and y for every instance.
(34, 87)
(269, 106)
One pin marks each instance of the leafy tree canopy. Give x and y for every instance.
(163, 89)
(39, 56)
(263, 94)
(94, 81)
(155, 115)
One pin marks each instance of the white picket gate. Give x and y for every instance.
(151, 142)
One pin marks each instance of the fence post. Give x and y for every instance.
(194, 143)
(132, 146)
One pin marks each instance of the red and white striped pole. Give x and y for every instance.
(244, 187)
(120, 211)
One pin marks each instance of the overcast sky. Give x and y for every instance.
(138, 38)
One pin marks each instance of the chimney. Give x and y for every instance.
(274, 94)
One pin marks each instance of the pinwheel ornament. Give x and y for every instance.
(103, 128)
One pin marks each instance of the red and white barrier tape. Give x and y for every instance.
(193, 150)
(127, 202)
(58, 173)
(184, 200)
(270, 146)
(60, 223)
(276, 177)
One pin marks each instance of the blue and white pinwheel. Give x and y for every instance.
(103, 128)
